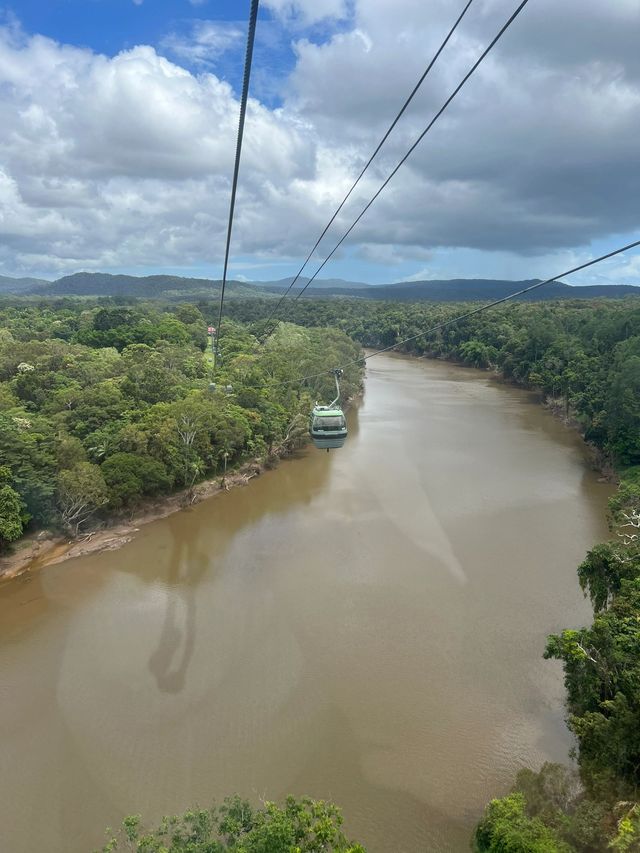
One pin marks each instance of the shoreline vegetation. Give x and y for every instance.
(41, 548)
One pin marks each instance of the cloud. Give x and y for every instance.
(423, 274)
(120, 161)
(307, 12)
(539, 150)
(389, 254)
(205, 43)
(124, 161)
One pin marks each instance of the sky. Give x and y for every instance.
(118, 121)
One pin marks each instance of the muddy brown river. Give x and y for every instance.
(365, 625)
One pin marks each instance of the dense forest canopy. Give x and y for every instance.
(102, 405)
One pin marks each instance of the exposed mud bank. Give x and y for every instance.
(45, 548)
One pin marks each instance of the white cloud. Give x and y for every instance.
(306, 12)
(112, 162)
(125, 161)
(423, 274)
(539, 150)
(206, 42)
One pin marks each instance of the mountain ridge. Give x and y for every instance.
(176, 287)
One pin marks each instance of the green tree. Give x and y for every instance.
(505, 828)
(129, 477)
(602, 571)
(26, 449)
(477, 353)
(146, 376)
(602, 677)
(68, 451)
(299, 826)
(95, 407)
(623, 403)
(12, 516)
(627, 838)
(81, 492)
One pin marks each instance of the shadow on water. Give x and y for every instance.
(187, 564)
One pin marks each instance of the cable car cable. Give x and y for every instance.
(469, 73)
(253, 18)
(370, 160)
(467, 314)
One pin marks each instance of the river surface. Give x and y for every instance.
(365, 625)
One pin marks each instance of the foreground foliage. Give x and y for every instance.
(299, 826)
(506, 828)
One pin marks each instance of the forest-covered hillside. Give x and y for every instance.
(142, 287)
(464, 289)
(10, 285)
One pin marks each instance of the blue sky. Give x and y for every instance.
(110, 26)
(120, 135)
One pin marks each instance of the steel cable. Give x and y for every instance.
(253, 18)
(369, 162)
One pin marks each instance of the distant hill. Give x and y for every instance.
(178, 287)
(448, 290)
(318, 284)
(149, 287)
(21, 285)
(470, 289)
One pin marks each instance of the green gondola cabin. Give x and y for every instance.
(327, 427)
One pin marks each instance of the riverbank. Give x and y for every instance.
(45, 548)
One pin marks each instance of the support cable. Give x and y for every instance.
(469, 73)
(253, 18)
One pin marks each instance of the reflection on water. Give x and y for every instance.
(365, 625)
